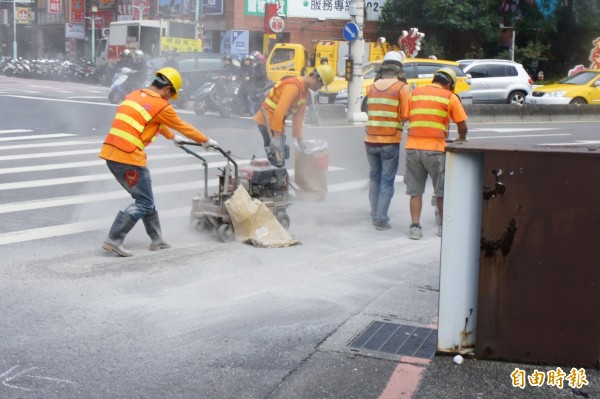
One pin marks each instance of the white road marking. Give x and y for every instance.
(99, 224)
(7, 131)
(102, 176)
(7, 381)
(61, 100)
(517, 136)
(513, 129)
(87, 97)
(47, 154)
(54, 144)
(37, 137)
(70, 165)
(88, 198)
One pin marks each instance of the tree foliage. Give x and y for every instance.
(553, 35)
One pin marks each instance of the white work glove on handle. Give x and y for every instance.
(178, 140)
(209, 144)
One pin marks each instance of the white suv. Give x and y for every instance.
(497, 81)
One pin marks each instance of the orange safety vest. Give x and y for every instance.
(128, 130)
(273, 98)
(429, 112)
(384, 125)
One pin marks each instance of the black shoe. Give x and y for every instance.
(382, 226)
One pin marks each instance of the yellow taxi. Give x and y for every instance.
(580, 88)
(419, 72)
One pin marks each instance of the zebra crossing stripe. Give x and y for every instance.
(111, 195)
(37, 137)
(103, 224)
(44, 145)
(15, 131)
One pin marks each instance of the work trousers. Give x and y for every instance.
(383, 163)
(137, 182)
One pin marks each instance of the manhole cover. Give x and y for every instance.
(398, 339)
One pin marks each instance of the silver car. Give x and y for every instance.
(497, 81)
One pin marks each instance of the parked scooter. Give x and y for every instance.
(121, 85)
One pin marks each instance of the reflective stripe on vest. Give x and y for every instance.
(131, 121)
(383, 111)
(272, 99)
(429, 112)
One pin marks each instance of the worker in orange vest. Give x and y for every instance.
(431, 109)
(143, 115)
(387, 109)
(288, 97)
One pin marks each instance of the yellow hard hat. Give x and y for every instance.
(173, 76)
(450, 76)
(326, 73)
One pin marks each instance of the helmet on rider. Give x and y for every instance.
(139, 54)
(169, 77)
(259, 56)
(126, 53)
(325, 73)
(445, 76)
(249, 58)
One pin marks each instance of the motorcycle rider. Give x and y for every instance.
(288, 97)
(229, 71)
(247, 83)
(140, 69)
(260, 69)
(143, 115)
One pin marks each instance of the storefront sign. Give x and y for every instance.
(331, 9)
(180, 45)
(54, 6)
(23, 15)
(75, 31)
(212, 7)
(257, 7)
(77, 11)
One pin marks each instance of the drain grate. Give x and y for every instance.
(398, 339)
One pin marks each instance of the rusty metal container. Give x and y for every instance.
(538, 291)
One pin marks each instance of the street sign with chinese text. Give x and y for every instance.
(181, 45)
(54, 6)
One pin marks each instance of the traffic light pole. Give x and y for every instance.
(357, 49)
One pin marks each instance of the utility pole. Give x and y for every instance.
(14, 29)
(357, 49)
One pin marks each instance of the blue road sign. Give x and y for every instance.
(350, 31)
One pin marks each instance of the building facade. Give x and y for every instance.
(64, 27)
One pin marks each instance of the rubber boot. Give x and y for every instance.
(121, 226)
(152, 225)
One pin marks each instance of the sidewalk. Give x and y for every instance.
(340, 369)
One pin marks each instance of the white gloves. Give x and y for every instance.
(209, 144)
(178, 140)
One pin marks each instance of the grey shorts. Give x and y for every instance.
(420, 164)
